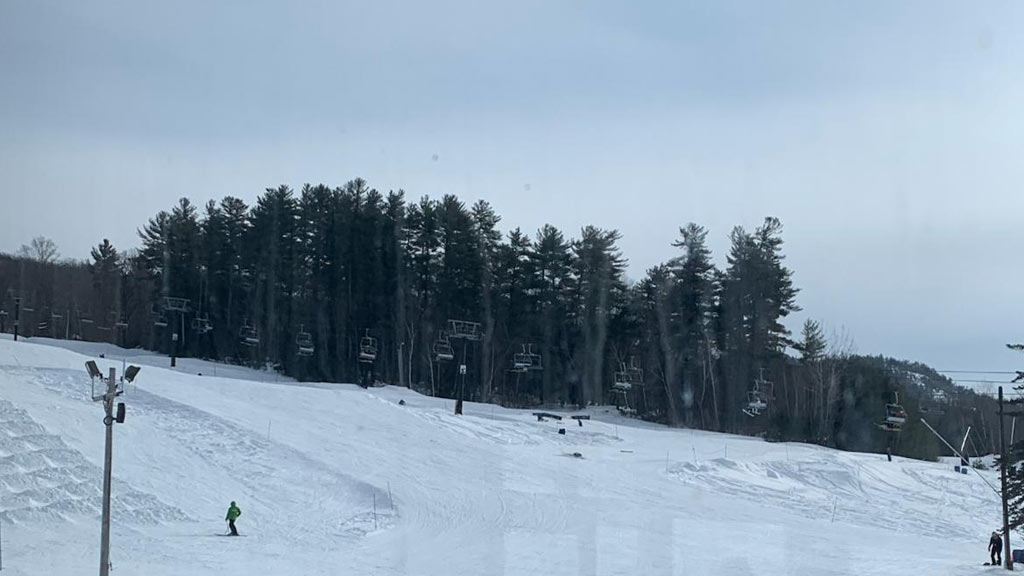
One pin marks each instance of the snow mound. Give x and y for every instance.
(41, 478)
(904, 495)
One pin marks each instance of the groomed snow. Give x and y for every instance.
(334, 479)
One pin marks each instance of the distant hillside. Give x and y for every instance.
(868, 383)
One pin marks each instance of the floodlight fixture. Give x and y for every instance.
(130, 373)
(93, 369)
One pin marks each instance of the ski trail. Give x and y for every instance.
(42, 478)
(319, 502)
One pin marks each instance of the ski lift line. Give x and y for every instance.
(939, 436)
(975, 372)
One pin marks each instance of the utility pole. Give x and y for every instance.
(1008, 554)
(109, 418)
(108, 460)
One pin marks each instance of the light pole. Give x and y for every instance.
(182, 307)
(401, 368)
(109, 418)
(17, 316)
(1002, 481)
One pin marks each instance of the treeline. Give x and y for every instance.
(307, 281)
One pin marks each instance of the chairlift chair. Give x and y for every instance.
(521, 362)
(636, 375)
(367, 348)
(895, 414)
(248, 336)
(758, 396)
(201, 324)
(443, 350)
(623, 380)
(621, 386)
(536, 361)
(159, 318)
(304, 341)
(756, 403)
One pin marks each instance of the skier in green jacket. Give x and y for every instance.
(233, 513)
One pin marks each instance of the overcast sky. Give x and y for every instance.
(886, 136)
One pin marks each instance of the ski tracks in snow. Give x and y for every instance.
(42, 478)
(315, 501)
(911, 498)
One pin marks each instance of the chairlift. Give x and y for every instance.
(521, 361)
(367, 348)
(756, 403)
(758, 396)
(895, 416)
(536, 362)
(628, 375)
(623, 380)
(304, 341)
(159, 318)
(636, 374)
(201, 324)
(443, 349)
(464, 329)
(248, 336)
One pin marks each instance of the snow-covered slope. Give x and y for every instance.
(334, 479)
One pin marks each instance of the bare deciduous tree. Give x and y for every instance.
(42, 249)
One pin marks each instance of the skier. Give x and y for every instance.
(233, 513)
(995, 547)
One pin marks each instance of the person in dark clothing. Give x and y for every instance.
(233, 513)
(995, 548)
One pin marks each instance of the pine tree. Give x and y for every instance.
(423, 256)
(485, 227)
(1015, 484)
(600, 291)
(757, 292)
(693, 298)
(106, 280)
(543, 269)
(812, 344)
(273, 237)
